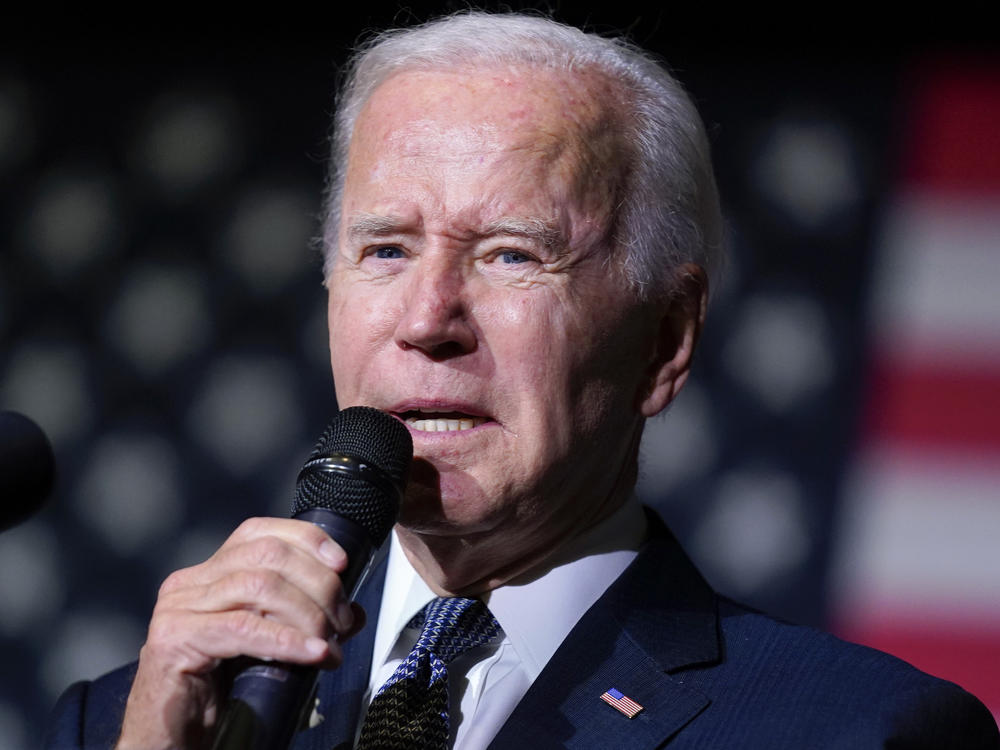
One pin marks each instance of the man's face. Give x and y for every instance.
(475, 296)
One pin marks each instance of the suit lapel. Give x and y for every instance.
(341, 691)
(658, 617)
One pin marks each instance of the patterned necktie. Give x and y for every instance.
(410, 711)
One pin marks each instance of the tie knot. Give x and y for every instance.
(453, 625)
(411, 709)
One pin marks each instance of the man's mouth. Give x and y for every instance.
(441, 421)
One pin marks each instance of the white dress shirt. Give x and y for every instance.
(536, 616)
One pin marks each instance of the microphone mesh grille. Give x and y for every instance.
(377, 439)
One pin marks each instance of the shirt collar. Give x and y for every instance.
(574, 580)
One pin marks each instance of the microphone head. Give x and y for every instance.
(358, 470)
(27, 468)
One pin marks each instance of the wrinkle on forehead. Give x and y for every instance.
(477, 144)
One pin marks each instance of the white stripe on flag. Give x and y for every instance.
(937, 280)
(921, 533)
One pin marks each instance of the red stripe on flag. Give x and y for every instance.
(963, 652)
(953, 127)
(926, 406)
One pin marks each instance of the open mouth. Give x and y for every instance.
(441, 421)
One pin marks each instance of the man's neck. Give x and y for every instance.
(470, 565)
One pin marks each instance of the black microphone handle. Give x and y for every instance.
(270, 700)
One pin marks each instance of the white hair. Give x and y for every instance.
(669, 208)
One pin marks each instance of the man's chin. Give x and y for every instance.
(443, 502)
(431, 514)
(438, 523)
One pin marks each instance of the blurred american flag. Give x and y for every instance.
(917, 561)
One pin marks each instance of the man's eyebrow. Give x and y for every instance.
(374, 225)
(544, 232)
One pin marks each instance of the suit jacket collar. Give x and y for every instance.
(663, 602)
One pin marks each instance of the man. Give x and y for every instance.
(520, 225)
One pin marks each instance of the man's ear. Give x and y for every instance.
(681, 316)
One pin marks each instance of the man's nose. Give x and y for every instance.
(435, 316)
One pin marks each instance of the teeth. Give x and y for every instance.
(444, 425)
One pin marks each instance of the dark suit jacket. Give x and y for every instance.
(708, 673)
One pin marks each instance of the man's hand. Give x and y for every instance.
(272, 591)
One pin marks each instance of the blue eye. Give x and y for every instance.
(388, 253)
(512, 256)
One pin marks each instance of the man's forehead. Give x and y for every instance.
(508, 107)
(422, 137)
(481, 147)
(518, 93)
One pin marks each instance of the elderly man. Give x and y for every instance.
(520, 224)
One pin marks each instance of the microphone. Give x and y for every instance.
(351, 487)
(27, 468)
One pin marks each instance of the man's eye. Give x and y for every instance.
(388, 253)
(512, 256)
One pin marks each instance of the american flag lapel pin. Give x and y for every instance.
(623, 703)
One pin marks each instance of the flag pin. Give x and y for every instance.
(623, 703)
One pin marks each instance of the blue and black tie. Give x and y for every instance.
(410, 711)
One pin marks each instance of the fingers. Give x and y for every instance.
(300, 552)
(271, 576)
(195, 642)
(267, 541)
(309, 537)
(281, 571)
(272, 591)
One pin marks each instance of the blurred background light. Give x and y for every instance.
(268, 240)
(247, 409)
(753, 532)
(780, 349)
(88, 643)
(160, 317)
(31, 586)
(48, 381)
(73, 223)
(129, 493)
(187, 140)
(808, 169)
